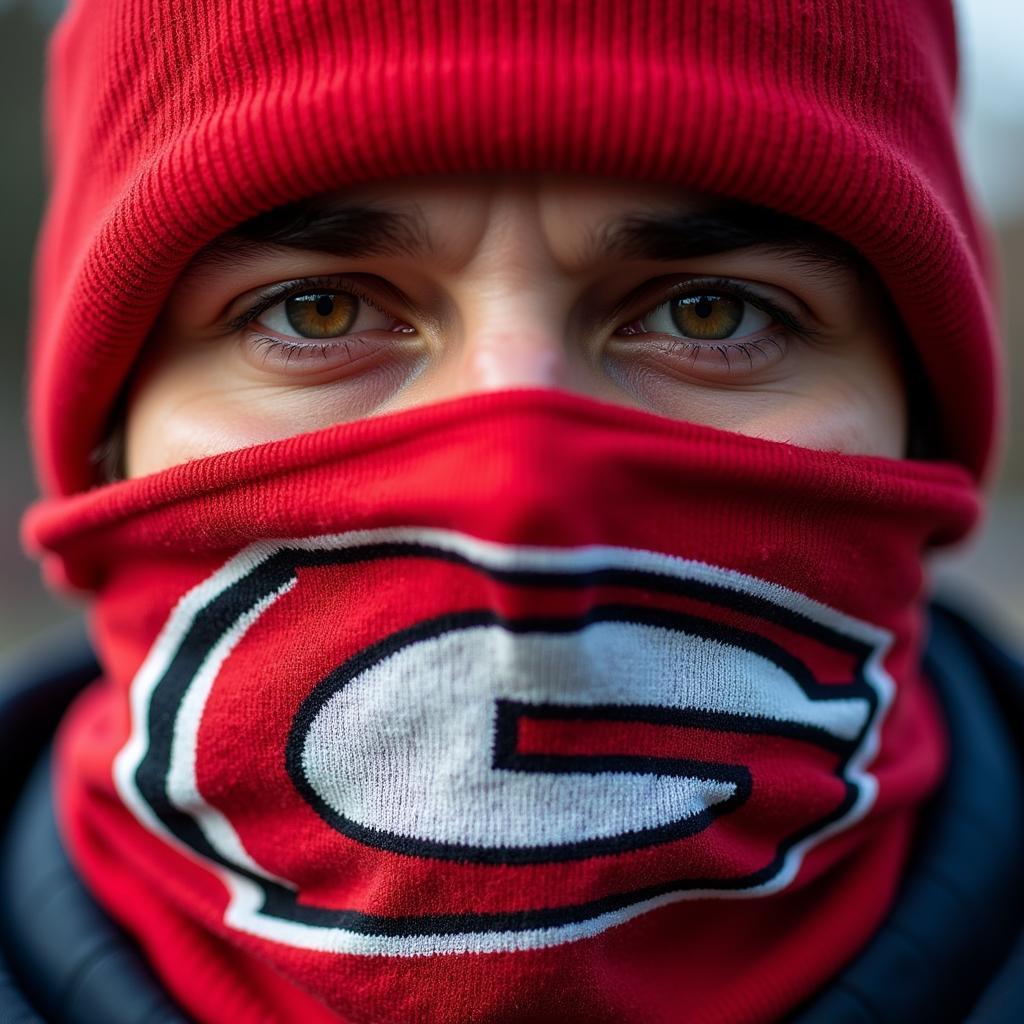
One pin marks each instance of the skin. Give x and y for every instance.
(511, 297)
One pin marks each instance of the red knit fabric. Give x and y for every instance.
(171, 122)
(425, 718)
(199, 799)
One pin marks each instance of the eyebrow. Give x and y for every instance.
(345, 230)
(725, 227)
(349, 230)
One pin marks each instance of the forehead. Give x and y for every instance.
(576, 222)
(576, 218)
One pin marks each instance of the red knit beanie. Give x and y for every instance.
(169, 123)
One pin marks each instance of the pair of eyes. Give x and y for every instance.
(723, 324)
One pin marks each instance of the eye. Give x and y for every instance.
(321, 314)
(708, 328)
(704, 315)
(324, 328)
(324, 314)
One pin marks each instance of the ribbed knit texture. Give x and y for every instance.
(183, 798)
(516, 722)
(171, 122)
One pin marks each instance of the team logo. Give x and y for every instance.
(381, 741)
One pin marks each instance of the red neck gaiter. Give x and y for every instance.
(519, 707)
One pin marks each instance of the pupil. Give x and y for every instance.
(708, 317)
(322, 314)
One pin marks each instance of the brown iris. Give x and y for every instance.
(707, 317)
(321, 314)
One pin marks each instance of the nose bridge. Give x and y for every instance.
(514, 320)
(505, 355)
(514, 301)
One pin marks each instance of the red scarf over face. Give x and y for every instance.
(518, 707)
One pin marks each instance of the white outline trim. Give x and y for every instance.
(243, 912)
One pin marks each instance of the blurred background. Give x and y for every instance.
(987, 573)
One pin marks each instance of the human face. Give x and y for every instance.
(386, 297)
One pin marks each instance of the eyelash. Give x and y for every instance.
(750, 346)
(738, 290)
(272, 346)
(713, 285)
(287, 289)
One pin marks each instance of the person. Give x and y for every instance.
(502, 445)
